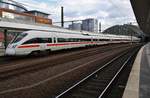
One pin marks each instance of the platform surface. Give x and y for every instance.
(144, 90)
(138, 85)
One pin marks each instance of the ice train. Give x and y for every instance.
(34, 41)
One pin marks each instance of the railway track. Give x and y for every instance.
(10, 70)
(15, 59)
(53, 80)
(99, 82)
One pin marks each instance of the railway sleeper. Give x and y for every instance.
(81, 95)
(100, 80)
(94, 87)
(96, 83)
(87, 87)
(88, 92)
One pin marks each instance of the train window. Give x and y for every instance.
(34, 40)
(104, 39)
(78, 40)
(62, 40)
(19, 37)
(94, 39)
(38, 40)
(46, 40)
(70, 40)
(49, 40)
(86, 40)
(73, 40)
(43, 40)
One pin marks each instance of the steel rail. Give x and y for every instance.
(7, 71)
(87, 77)
(107, 87)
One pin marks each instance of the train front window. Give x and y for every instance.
(38, 40)
(19, 37)
(33, 41)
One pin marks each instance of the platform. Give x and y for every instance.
(138, 85)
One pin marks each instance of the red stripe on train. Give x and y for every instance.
(62, 44)
(59, 44)
(28, 46)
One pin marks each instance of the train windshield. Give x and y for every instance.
(19, 37)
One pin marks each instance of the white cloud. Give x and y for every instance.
(110, 12)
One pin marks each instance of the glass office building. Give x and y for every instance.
(90, 25)
(75, 26)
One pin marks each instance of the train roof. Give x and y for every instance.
(63, 30)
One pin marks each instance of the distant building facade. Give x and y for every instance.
(75, 26)
(41, 17)
(90, 25)
(38, 13)
(15, 12)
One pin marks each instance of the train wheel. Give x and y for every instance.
(35, 53)
(48, 51)
(45, 52)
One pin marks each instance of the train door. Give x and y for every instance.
(54, 38)
(92, 41)
(43, 43)
(54, 41)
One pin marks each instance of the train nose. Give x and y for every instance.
(10, 51)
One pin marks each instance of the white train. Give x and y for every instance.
(33, 42)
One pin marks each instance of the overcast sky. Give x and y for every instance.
(109, 12)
